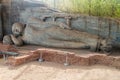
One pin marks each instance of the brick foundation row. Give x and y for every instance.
(7, 48)
(58, 56)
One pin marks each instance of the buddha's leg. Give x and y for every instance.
(72, 35)
(64, 44)
(58, 33)
(57, 37)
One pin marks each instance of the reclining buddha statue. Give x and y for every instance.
(51, 34)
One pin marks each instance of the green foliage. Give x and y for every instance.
(108, 8)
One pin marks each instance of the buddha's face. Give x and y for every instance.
(17, 29)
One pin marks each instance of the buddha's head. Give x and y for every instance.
(17, 29)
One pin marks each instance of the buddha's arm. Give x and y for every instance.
(17, 41)
(41, 24)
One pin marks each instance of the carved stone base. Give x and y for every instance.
(58, 56)
(7, 48)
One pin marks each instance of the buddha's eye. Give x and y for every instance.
(16, 30)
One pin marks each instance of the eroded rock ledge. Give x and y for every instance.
(58, 56)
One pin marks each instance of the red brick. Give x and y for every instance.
(58, 56)
(7, 48)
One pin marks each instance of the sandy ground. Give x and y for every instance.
(53, 71)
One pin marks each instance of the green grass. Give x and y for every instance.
(107, 8)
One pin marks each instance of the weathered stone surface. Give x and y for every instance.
(6, 11)
(13, 9)
(58, 56)
(17, 11)
(51, 34)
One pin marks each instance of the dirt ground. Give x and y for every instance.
(53, 71)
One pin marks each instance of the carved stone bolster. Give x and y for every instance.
(7, 39)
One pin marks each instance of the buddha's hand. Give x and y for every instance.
(64, 26)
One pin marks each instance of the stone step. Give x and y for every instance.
(58, 56)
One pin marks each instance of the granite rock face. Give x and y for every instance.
(12, 10)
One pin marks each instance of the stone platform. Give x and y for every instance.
(74, 57)
(7, 48)
(59, 56)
